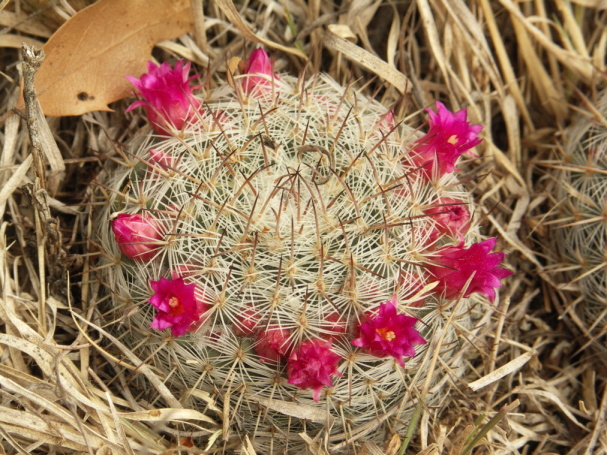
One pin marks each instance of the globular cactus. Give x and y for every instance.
(581, 231)
(293, 250)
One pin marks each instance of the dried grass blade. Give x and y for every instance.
(58, 412)
(492, 423)
(599, 425)
(581, 66)
(507, 70)
(166, 415)
(20, 22)
(55, 433)
(502, 371)
(433, 37)
(368, 60)
(557, 401)
(537, 73)
(14, 182)
(51, 368)
(572, 28)
(142, 367)
(292, 409)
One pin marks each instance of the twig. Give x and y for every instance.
(48, 235)
(32, 59)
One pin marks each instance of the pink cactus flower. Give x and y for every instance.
(177, 305)
(455, 265)
(138, 236)
(450, 136)
(311, 366)
(187, 270)
(451, 218)
(389, 334)
(272, 345)
(167, 96)
(258, 72)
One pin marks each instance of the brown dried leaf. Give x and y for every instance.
(88, 57)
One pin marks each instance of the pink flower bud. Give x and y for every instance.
(138, 236)
(311, 366)
(334, 326)
(162, 160)
(386, 123)
(247, 323)
(272, 345)
(178, 308)
(450, 136)
(451, 217)
(259, 74)
(167, 96)
(389, 334)
(411, 285)
(455, 265)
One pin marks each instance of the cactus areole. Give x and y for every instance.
(296, 274)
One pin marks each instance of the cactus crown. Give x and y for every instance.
(297, 217)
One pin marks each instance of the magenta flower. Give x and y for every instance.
(177, 305)
(451, 217)
(272, 345)
(258, 71)
(389, 334)
(311, 366)
(138, 236)
(450, 136)
(167, 96)
(455, 265)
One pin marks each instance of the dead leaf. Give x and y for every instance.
(88, 58)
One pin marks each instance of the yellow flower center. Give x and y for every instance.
(386, 334)
(453, 140)
(173, 302)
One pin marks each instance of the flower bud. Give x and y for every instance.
(138, 236)
(258, 73)
(272, 345)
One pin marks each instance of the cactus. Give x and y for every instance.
(581, 232)
(303, 252)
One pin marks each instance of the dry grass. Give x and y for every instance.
(519, 67)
